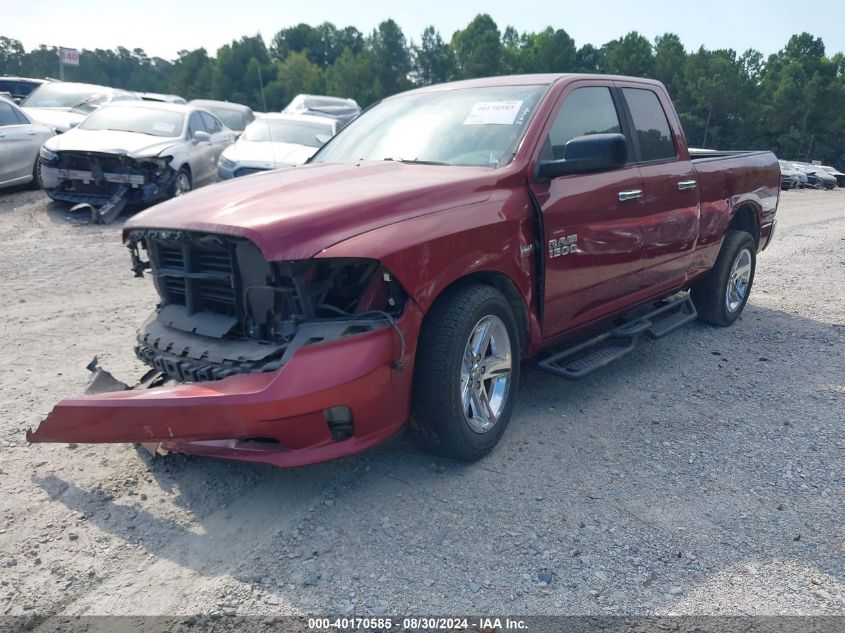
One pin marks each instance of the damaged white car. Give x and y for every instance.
(135, 153)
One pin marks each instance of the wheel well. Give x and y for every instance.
(503, 284)
(745, 219)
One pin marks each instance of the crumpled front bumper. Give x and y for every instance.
(274, 417)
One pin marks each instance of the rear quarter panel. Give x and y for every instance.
(727, 184)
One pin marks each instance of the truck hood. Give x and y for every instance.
(106, 141)
(62, 119)
(295, 213)
(268, 154)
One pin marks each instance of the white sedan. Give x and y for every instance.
(276, 140)
(20, 141)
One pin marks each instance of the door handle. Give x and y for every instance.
(31, 132)
(630, 194)
(686, 184)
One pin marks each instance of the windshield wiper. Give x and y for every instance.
(414, 161)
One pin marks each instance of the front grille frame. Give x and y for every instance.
(225, 309)
(198, 273)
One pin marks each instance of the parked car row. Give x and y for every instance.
(102, 148)
(797, 174)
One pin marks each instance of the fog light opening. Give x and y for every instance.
(339, 421)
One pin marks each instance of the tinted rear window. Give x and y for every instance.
(651, 124)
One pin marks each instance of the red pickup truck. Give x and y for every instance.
(401, 276)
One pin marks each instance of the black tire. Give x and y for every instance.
(183, 172)
(438, 422)
(36, 174)
(710, 294)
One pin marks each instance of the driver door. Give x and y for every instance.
(592, 232)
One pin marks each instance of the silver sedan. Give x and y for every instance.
(20, 141)
(133, 153)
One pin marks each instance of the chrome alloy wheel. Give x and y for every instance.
(486, 373)
(183, 184)
(738, 280)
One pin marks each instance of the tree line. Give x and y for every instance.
(789, 102)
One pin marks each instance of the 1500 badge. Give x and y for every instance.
(563, 246)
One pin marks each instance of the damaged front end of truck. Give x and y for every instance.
(105, 182)
(286, 362)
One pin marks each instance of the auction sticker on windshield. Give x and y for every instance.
(166, 128)
(493, 113)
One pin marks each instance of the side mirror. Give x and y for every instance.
(202, 136)
(586, 154)
(322, 138)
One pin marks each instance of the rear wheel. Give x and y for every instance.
(466, 373)
(721, 296)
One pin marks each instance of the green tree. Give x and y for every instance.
(589, 59)
(191, 75)
(391, 57)
(295, 75)
(231, 79)
(720, 95)
(294, 39)
(434, 61)
(11, 56)
(478, 48)
(353, 75)
(513, 51)
(669, 57)
(629, 55)
(549, 51)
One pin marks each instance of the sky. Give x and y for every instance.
(162, 28)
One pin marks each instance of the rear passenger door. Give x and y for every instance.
(592, 237)
(670, 193)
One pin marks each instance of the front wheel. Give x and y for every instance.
(721, 296)
(36, 174)
(466, 373)
(182, 184)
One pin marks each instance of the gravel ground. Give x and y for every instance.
(702, 474)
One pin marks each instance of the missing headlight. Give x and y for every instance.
(225, 309)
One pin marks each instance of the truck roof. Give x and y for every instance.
(525, 80)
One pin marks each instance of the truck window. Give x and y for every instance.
(585, 111)
(651, 124)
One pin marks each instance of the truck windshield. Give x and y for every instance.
(467, 126)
